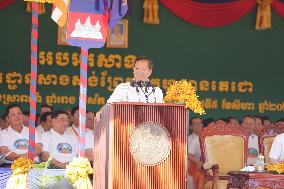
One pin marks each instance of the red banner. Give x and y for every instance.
(207, 14)
(5, 3)
(278, 6)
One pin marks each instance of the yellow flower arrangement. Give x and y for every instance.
(20, 168)
(278, 168)
(77, 173)
(183, 92)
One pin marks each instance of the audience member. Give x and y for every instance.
(15, 138)
(195, 179)
(234, 122)
(58, 143)
(249, 126)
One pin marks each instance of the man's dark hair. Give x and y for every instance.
(264, 118)
(47, 106)
(56, 113)
(150, 62)
(259, 117)
(74, 110)
(44, 116)
(26, 113)
(190, 121)
(10, 106)
(207, 121)
(231, 117)
(247, 116)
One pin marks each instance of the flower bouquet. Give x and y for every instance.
(276, 168)
(182, 92)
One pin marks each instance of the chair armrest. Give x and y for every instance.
(215, 172)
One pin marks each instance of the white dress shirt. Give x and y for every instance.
(63, 148)
(194, 146)
(277, 148)
(124, 92)
(15, 141)
(40, 129)
(89, 138)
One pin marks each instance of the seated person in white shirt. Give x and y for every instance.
(266, 122)
(74, 130)
(258, 125)
(194, 155)
(46, 122)
(59, 144)
(15, 139)
(249, 125)
(44, 108)
(276, 154)
(90, 135)
(140, 89)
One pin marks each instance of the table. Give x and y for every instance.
(253, 180)
(33, 177)
(5, 173)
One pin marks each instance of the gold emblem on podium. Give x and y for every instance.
(150, 143)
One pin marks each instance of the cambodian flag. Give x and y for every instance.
(88, 21)
(118, 8)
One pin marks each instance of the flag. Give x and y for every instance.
(117, 11)
(87, 23)
(59, 13)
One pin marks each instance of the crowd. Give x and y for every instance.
(56, 134)
(253, 126)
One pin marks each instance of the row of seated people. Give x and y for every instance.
(40, 118)
(54, 136)
(258, 137)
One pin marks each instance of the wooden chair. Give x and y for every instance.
(224, 148)
(265, 143)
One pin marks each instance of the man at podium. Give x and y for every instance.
(134, 139)
(140, 89)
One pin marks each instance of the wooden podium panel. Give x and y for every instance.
(114, 165)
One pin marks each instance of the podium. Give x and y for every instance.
(141, 146)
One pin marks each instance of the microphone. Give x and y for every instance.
(153, 91)
(147, 85)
